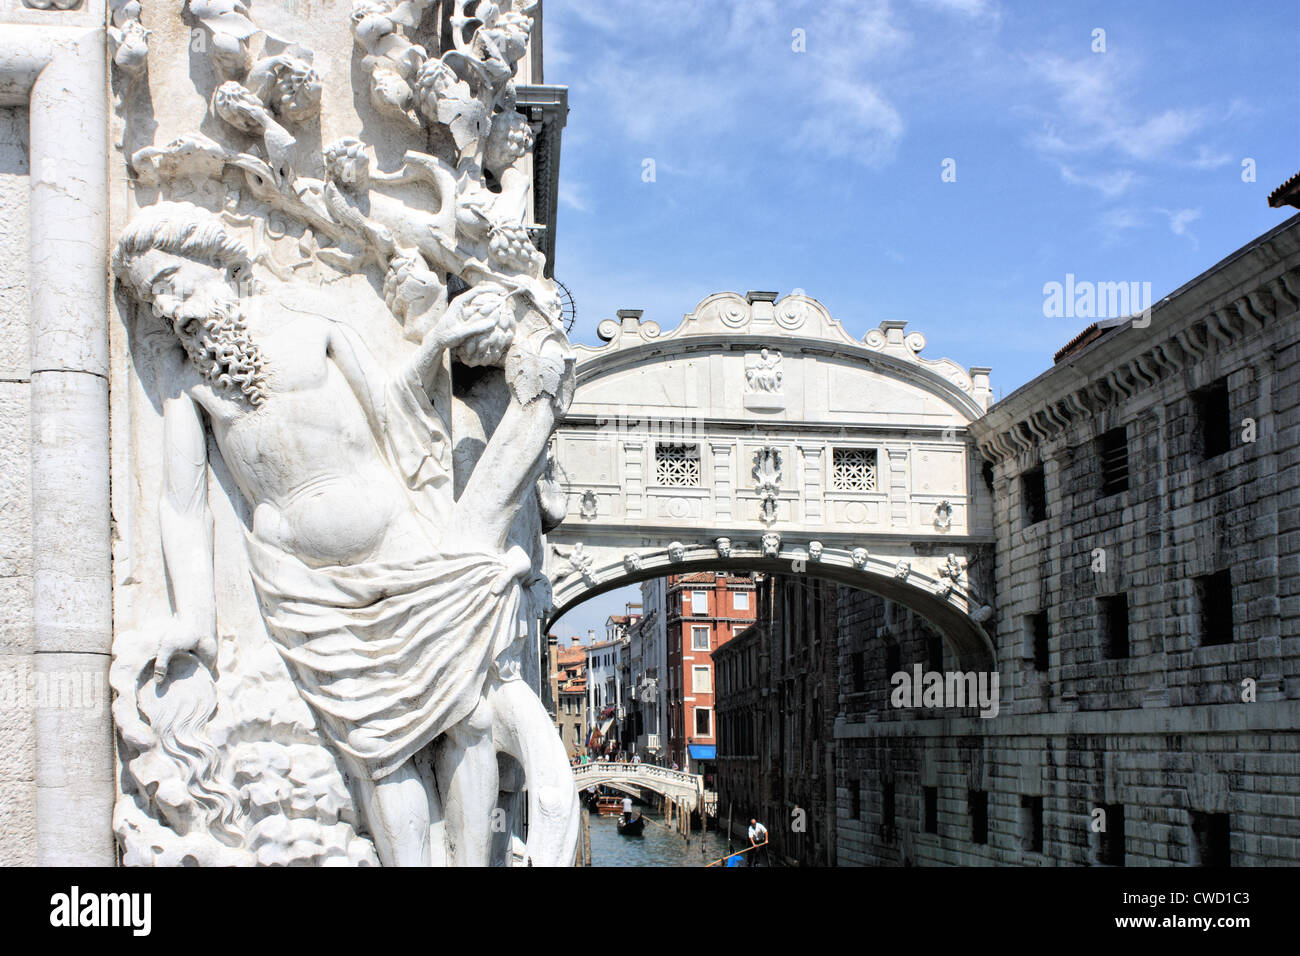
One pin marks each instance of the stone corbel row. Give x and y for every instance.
(1222, 328)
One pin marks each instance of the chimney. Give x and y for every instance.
(591, 635)
(575, 641)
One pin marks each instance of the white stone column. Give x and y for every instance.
(62, 72)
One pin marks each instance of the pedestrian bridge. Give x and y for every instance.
(760, 436)
(686, 789)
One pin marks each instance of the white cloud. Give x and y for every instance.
(574, 195)
(855, 121)
(1180, 219)
(1093, 122)
(1110, 184)
(967, 8)
(661, 85)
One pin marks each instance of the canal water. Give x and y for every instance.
(658, 846)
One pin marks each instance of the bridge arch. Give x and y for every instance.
(759, 435)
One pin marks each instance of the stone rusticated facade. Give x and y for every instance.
(1162, 730)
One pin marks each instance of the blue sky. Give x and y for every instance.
(821, 170)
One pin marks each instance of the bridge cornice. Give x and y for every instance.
(596, 364)
(795, 324)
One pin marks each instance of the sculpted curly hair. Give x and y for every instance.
(179, 229)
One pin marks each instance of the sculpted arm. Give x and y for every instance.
(186, 527)
(540, 378)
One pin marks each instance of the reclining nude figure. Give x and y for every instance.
(394, 602)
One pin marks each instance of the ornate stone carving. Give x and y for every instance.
(763, 372)
(815, 549)
(902, 570)
(676, 551)
(128, 37)
(589, 504)
(724, 547)
(859, 556)
(943, 515)
(771, 545)
(578, 561)
(632, 561)
(951, 573)
(390, 524)
(767, 477)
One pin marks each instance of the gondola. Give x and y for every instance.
(631, 827)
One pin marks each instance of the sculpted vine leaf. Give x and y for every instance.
(532, 375)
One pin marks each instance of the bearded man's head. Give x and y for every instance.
(180, 260)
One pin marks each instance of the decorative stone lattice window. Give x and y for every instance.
(853, 469)
(677, 464)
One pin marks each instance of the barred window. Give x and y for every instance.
(853, 469)
(677, 465)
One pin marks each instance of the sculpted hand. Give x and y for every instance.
(454, 329)
(181, 638)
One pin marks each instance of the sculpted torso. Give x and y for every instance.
(306, 458)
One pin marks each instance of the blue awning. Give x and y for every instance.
(703, 751)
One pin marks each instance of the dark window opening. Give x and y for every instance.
(1033, 810)
(934, 652)
(931, 799)
(1038, 633)
(1211, 839)
(1033, 493)
(855, 800)
(979, 816)
(1213, 426)
(1112, 838)
(859, 672)
(1112, 450)
(987, 472)
(1214, 597)
(893, 660)
(887, 810)
(1114, 619)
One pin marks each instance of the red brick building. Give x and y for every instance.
(703, 611)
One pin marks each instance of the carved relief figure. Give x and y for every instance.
(763, 372)
(346, 470)
(767, 478)
(394, 508)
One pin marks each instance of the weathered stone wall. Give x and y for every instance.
(777, 692)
